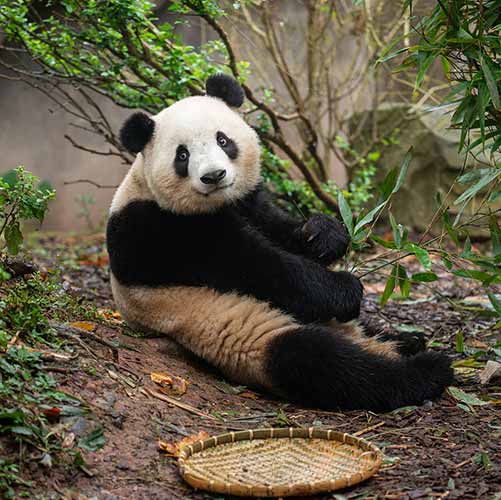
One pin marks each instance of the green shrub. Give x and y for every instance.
(22, 198)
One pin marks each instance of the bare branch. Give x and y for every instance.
(88, 181)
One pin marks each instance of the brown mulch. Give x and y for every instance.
(434, 451)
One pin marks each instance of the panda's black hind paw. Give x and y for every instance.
(434, 371)
(410, 343)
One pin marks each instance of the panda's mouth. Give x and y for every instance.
(215, 190)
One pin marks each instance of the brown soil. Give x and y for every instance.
(433, 451)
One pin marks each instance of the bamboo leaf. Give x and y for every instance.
(424, 277)
(388, 289)
(346, 213)
(491, 82)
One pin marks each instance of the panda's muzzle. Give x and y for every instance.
(213, 177)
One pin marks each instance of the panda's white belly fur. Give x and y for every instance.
(228, 330)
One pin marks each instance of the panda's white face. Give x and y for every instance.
(201, 156)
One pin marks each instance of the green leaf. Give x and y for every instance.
(459, 342)
(496, 304)
(446, 66)
(403, 281)
(22, 430)
(482, 458)
(13, 237)
(346, 213)
(397, 237)
(390, 286)
(421, 254)
(424, 277)
(383, 243)
(389, 183)
(492, 174)
(463, 397)
(474, 274)
(93, 441)
(11, 415)
(367, 219)
(495, 235)
(491, 82)
(402, 174)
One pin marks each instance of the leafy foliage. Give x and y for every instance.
(27, 390)
(21, 198)
(464, 37)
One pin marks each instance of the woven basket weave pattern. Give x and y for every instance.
(278, 462)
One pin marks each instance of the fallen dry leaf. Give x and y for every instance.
(491, 374)
(169, 384)
(477, 344)
(52, 413)
(374, 287)
(101, 261)
(84, 325)
(161, 378)
(108, 314)
(174, 449)
(68, 440)
(249, 395)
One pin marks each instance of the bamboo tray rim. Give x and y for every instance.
(240, 489)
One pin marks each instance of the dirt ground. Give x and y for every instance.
(439, 450)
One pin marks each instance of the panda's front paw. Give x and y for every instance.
(325, 238)
(347, 296)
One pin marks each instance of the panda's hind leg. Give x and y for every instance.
(317, 366)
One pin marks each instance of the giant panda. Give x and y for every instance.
(199, 252)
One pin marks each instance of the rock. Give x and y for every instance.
(491, 374)
(435, 164)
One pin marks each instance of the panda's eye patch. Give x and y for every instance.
(181, 161)
(227, 145)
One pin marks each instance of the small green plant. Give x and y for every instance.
(28, 392)
(22, 198)
(298, 196)
(462, 262)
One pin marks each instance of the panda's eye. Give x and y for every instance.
(181, 161)
(182, 154)
(222, 140)
(227, 145)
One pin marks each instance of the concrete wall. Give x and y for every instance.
(32, 133)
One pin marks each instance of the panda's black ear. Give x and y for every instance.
(226, 88)
(136, 132)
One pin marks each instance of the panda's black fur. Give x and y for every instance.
(251, 248)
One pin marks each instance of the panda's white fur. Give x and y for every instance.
(194, 122)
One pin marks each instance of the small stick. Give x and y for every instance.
(177, 403)
(459, 465)
(13, 340)
(71, 331)
(368, 429)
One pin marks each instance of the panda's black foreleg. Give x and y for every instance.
(316, 367)
(321, 238)
(408, 343)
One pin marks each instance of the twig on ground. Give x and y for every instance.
(71, 331)
(177, 403)
(368, 429)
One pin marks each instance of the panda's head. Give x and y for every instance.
(198, 154)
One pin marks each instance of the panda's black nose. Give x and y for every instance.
(213, 177)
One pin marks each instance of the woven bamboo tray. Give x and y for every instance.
(278, 462)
